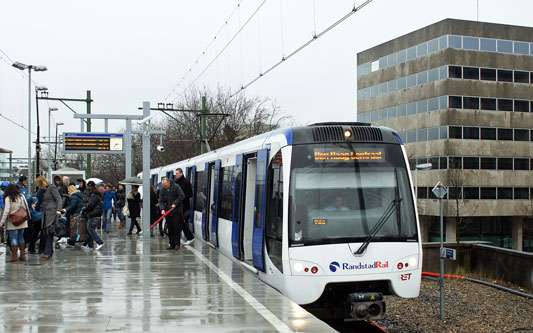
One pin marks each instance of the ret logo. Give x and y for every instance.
(334, 266)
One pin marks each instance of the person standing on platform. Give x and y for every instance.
(52, 205)
(110, 204)
(21, 184)
(134, 206)
(121, 202)
(74, 207)
(94, 209)
(171, 196)
(154, 211)
(13, 200)
(187, 190)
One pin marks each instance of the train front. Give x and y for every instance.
(353, 226)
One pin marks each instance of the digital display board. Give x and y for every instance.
(345, 155)
(93, 143)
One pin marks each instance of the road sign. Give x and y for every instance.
(440, 190)
(93, 143)
(447, 253)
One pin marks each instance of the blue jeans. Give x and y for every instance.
(16, 237)
(91, 231)
(121, 216)
(106, 219)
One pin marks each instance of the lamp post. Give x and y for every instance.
(50, 110)
(55, 153)
(38, 141)
(21, 66)
(424, 166)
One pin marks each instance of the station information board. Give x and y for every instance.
(93, 143)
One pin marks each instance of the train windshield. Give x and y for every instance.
(347, 192)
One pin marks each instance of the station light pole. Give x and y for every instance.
(50, 110)
(38, 141)
(55, 153)
(424, 166)
(21, 66)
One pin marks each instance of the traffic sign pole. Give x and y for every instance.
(440, 192)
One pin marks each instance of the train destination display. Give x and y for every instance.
(345, 155)
(106, 143)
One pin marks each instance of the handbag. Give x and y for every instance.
(125, 210)
(21, 215)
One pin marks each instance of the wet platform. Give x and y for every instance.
(132, 285)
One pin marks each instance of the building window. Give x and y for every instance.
(401, 56)
(456, 132)
(443, 72)
(471, 193)
(411, 81)
(521, 105)
(488, 45)
(505, 75)
(454, 193)
(488, 193)
(521, 135)
(505, 104)
(521, 48)
(444, 132)
(471, 133)
(471, 163)
(488, 163)
(391, 59)
(505, 134)
(422, 78)
(382, 62)
(471, 103)
(422, 193)
(422, 135)
(433, 104)
(443, 163)
(433, 133)
(488, 134)
(455, 72)
(455, 162)
(402, 83)
(443, 42)
(471, 73)
(421, 49)
(402, 110)
(488, 74)
(455, 102)
(505, 46)
(488, 104)
(505, 163)
(521, 163)
(392, 112)
(505, 193)
(411, 109)
(411, 136)
(434, 163)
(521, 77)
(455, 42)
(411, 53)
(471, 43)
(422, 106)
(521, 193)
(433, 75)
(433, 45)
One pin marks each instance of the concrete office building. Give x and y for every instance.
(460, 94)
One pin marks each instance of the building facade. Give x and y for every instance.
(460, 95)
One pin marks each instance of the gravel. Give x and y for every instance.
(468, 307)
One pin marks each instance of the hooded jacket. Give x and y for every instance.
(94, 205)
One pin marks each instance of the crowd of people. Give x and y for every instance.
(82, 212)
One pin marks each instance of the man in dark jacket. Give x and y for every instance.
(94, 209)
(171, 196)
(187, 190)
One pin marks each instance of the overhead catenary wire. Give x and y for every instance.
(300, 48)
(206, 48)
(223, 49)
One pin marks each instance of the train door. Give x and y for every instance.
(215, 201)
(259, 209)
(191, 177)
(206, 201)
(243, 206)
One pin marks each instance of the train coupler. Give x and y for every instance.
(364, 306)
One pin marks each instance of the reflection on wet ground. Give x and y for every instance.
(134, 285)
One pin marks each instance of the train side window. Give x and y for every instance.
(274, 211)
(226, 202)
(200, 195)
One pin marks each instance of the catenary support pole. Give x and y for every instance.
(30, 175)
(203, 122)
(146, 172)
(89, 164)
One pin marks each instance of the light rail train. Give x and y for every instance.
(324, 213)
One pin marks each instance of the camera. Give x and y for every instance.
(161, 148)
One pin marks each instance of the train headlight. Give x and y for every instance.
(347, 134)
(298, 267)
(412, 262)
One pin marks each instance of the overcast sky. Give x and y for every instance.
(127, 52)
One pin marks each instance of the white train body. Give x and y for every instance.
(272, 203)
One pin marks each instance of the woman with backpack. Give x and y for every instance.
(73, 210)
(13, 201)
(52, 204)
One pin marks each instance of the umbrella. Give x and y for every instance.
(95, 180)
(132, 181)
